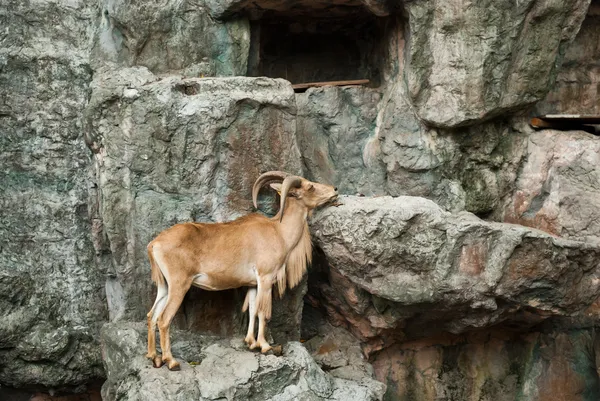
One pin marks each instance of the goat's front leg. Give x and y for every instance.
(251, 299)
(264, 307)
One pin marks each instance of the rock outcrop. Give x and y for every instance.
(216, 369)
(170, 37)
(400, 268)
(223, 9)
(469, 63)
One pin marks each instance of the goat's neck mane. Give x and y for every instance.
(297, 262)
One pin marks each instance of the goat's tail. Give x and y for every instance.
(157, 276)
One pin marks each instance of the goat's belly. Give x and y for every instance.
(209, 283)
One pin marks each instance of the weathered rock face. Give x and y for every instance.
(349, 137)
(576, 88)
(466, 64)
(558, 188)
(173, 150)
(542, 365)
(403, 268)
(51, 295)
(220, 369)
(339, 353)
(371, 141)
(469, 169)
(333, 126)
(170, 36)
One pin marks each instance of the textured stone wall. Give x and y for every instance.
(576, 87)
(500, 365)
(121, 118)
(52, 298)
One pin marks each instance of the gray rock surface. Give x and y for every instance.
(219, 369)
(558, 187)
(503, 365)
(371, 143)
(51, 295)
(467, 64)
(170, 36)
(402, 267)
(339, 353)
(576, 89)
(333, 127)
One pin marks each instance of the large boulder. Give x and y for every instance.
(469, 63)
(170, 150)
(51, 295)
(400, 268)
(214, 369)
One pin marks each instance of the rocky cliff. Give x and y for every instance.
(464, 262)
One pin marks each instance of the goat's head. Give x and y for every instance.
(311, 194)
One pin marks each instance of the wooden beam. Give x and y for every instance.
(330, 83)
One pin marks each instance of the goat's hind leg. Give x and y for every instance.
(250, 303)
(264, 306)
(155, 312)
(174, 299)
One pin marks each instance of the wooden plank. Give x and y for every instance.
(330, 83)
(571, 118)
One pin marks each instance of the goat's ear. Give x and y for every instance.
(276, 187)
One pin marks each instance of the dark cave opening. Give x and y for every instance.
(313, 48)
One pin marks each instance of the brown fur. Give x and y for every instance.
(251, 251)
(299, 259)
(281, 281)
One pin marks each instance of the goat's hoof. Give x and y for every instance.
(157, 361)
(250, 340)
(265, 348)
(174, 365)
(254, 345)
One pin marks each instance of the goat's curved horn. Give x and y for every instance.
(292, 181)
(264, 179)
